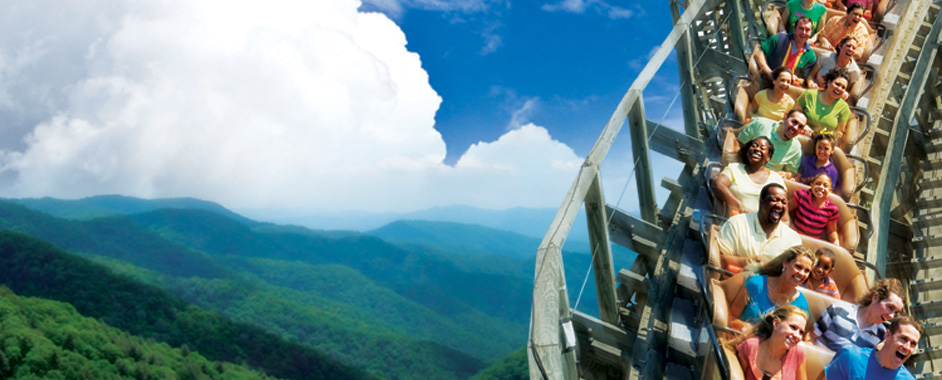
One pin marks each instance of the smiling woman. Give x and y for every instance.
(740, 184)
(770, 349)
(775, 284)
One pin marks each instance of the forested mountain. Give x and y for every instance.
(512, 367)
(50, 340)
(35, 268)
(428, 300)
(422, 275)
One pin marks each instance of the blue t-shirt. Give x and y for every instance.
(760, 303)
(855, 363)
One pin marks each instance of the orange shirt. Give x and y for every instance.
(836, 29)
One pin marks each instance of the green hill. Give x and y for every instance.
(512, 367)
(34, 268)
(440, 346)
(51, 340)
(114, 237)
(422, 275)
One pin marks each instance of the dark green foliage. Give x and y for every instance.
(50, 340)
(35, 268)
(512, 367)
(337, 310)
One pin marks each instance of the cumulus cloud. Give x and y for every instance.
(581, 6)
(286, 104)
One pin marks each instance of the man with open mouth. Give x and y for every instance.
(886, 363)
(759, 236)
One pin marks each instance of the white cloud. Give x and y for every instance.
(276, 105)
(395, 8)
(580, 6)
(522, 115)
(572, 6)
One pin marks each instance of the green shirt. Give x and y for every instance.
(823, 118)
(787, 154)
(795, 11)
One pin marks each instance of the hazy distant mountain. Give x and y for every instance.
(527, 222)
(459, 237)
(108, 205)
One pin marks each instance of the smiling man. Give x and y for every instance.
(759, 236)
(790, 50)
(853, 363)
(781, 134)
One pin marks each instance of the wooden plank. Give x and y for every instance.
(635, 234)
(601, 331)
(685, 66)
(602, 267)
(674, 144)
(642, 158)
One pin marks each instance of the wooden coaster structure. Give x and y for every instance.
(655, 318)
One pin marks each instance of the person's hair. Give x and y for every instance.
(782, 69)
(768, 188)
(853, 7)
(744, 151)
(804, 19)
(835, 73)
(826, 252)
(883, 288)
(824, 137)
(815, 178)
(763, 329)
(900, 320)
(794, 111)
(837, 48)
(774, 267)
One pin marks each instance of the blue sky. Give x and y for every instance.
(561, 68)
(301, 106)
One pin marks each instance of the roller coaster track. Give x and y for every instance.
(653, 317)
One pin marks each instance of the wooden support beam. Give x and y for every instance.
(685, 69)
(674, 144)
(602, 332)
(737, 43)
(635, 234)
(550, 302)
(602, 267)
(721, 62)
(642, 158)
